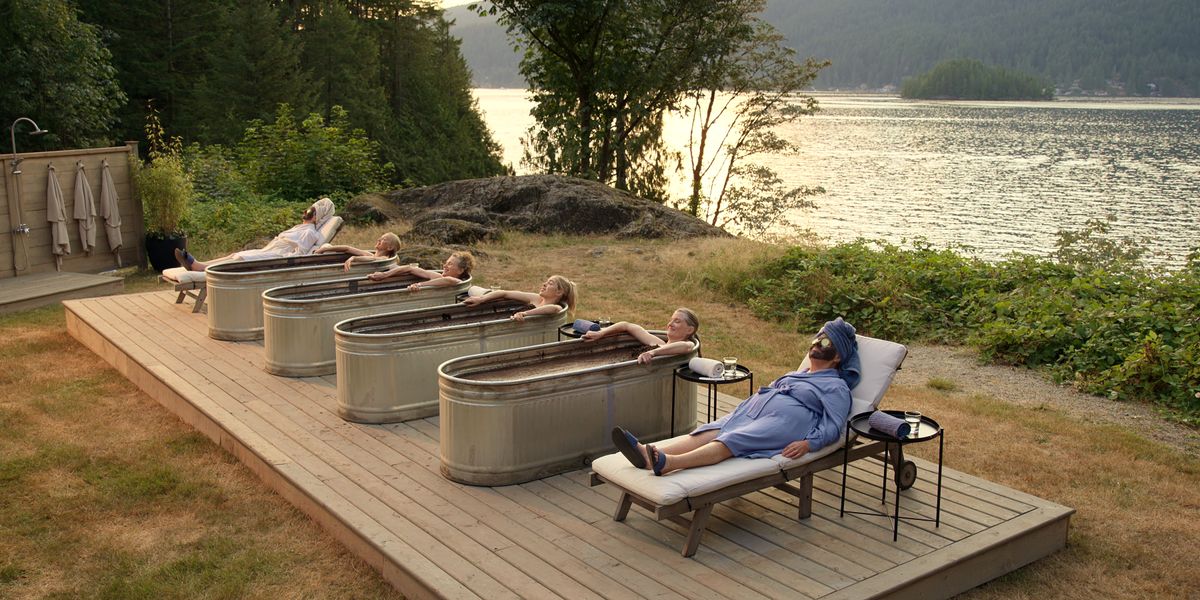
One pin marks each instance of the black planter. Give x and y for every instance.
(161, 250)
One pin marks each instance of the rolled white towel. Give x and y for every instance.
(706, 367)
(476, 291)
(174, 273)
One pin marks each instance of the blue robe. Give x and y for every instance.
(797, 406)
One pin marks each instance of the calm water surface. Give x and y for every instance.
(996, 177)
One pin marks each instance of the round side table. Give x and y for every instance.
(906, 471)
(567, 331)
(686, 374)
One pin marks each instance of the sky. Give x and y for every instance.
(449, 3)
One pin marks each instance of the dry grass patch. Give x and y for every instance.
(105, 494)
(1136, 501)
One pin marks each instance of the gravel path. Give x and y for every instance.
(1027, 388)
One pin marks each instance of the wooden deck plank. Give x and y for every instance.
(365, 489)
(405, 569)
(378, 489)
(597, 580)
(39, 289)
(350, 497)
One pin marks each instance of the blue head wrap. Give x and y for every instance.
(841, 334)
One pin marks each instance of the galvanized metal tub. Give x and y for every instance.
(387, 364)
(516, 415)
(235, 288)
(298, 319)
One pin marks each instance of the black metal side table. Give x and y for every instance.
(686, 374)
(568, 330)
(905, 472)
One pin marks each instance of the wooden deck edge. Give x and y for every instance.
(412, 585)
(960, 567)
(90, 290)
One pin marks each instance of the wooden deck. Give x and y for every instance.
(40, 289)
(378, 490)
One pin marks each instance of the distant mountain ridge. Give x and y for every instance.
(1131, 47)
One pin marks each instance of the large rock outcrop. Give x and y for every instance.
(532, 203)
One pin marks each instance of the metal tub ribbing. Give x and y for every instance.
(387, 364)
(516, 415)
(235, 288)
(298, 319)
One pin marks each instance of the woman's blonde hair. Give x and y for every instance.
(466, 262)
(569, 290)
(689, 317)
(393, 242)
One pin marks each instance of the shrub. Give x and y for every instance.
(310, 159)
(162, 185)
(1097, 320)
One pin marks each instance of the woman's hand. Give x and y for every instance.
(645, 357)
(346, 265)
(323, 248)
(591, 336)
(518, 317)
(378, 276)
(412, 287)
(796, 449)
(472, 300)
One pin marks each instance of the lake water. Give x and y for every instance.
(996, 177)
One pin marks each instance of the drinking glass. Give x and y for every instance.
(730, 367)
(913, 418)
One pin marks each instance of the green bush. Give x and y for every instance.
(313, 158)
(1099, 321)
(165, 190)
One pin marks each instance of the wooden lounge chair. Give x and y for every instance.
(192, 284)
(699, 490)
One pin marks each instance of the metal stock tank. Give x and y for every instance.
(387, 364)
(516, 415)
(235, 288)
(298, 319)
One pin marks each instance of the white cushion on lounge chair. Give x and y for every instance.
(330, 228)
(687, 483)
(182, 275)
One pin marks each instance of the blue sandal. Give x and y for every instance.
(659, 459)
(628, 445)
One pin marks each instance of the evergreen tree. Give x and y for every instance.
(441, 133)
(255, 68)
(161, 48)
(58, 73)
(344, 62)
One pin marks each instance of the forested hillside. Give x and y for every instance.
(211, 67)
(1119, 46)
(1134, 47)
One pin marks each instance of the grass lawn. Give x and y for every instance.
(103, 493)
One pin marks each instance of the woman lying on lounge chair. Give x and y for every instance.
(557, 292)
(297, 241)
(385, 247)
(800, 412)
(456, 270)
(681, 335)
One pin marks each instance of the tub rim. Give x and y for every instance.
(236, 273)
(538, 378)
(339, 331)
(361, 294)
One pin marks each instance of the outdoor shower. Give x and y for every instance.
(22, 229)
(12, 132)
